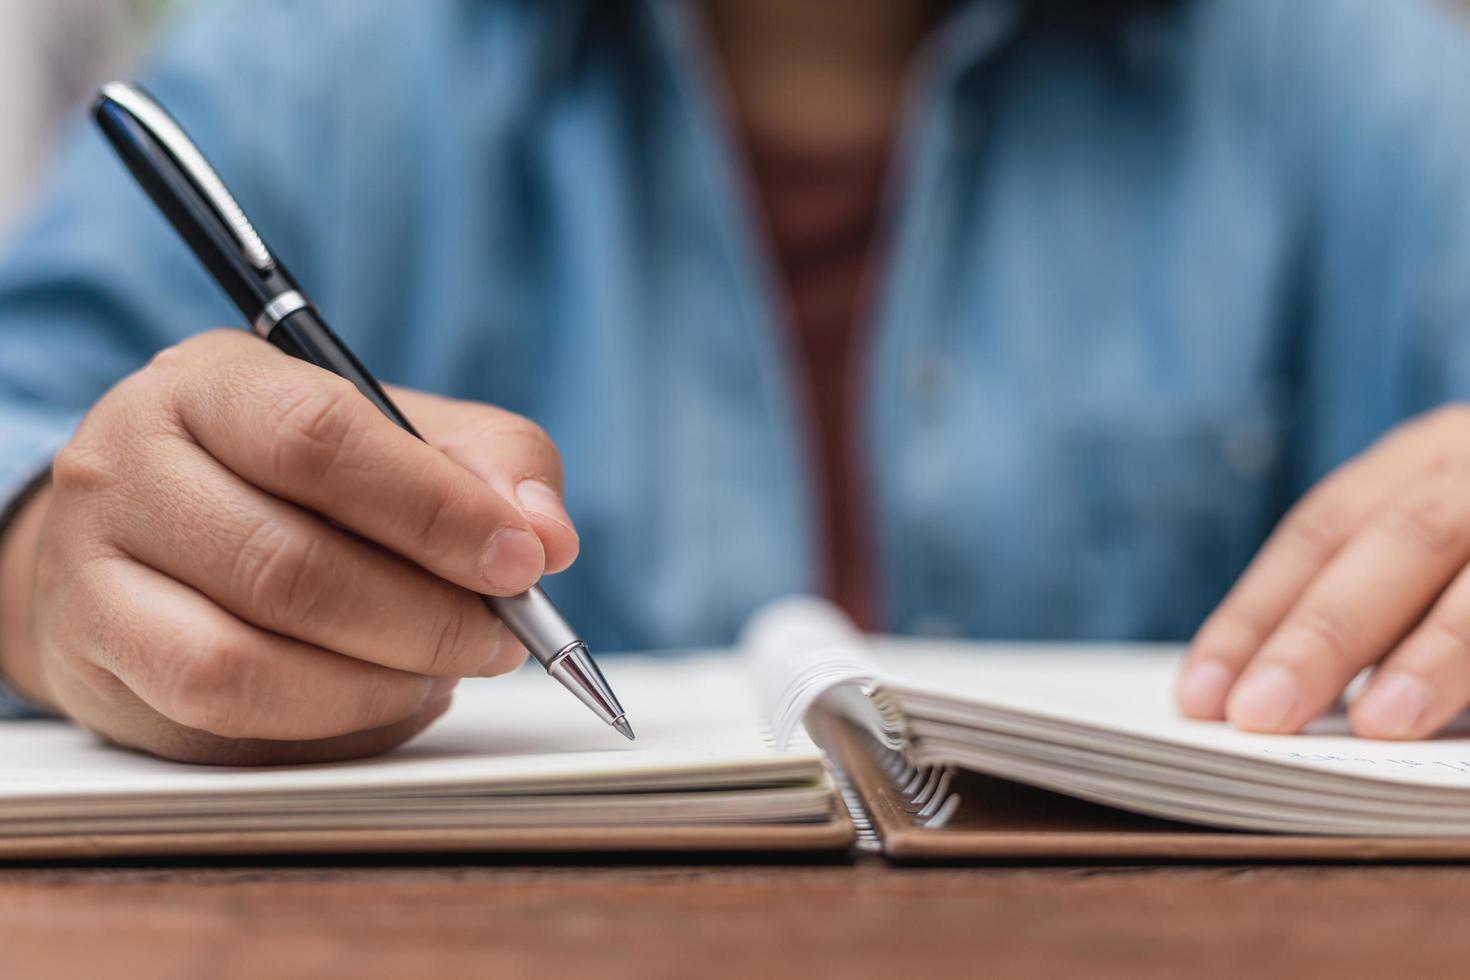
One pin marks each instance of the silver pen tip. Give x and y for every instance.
(624, 729)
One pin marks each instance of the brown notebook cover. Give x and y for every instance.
(998, 819)
(834, 834)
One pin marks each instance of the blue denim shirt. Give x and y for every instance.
(1141, 287)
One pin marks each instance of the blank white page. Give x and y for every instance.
(697, 719)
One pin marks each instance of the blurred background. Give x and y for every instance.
(52, 55)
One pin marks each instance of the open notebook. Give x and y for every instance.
(940, 738)
(937, 748)
(516, 764)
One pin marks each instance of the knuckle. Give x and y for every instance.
(197, 366)
(280, 573)
(310, 428)
(1455, 634)
(445, 655)
(1316, 528)
(1436, 522)
(207, 687)
(168, 359)
(1326, 630)
(1231, 631)
(437, 516)
(158, 382)
(82, 467)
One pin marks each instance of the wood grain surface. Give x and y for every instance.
(763, 921)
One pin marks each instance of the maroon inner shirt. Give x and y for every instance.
(821, 209)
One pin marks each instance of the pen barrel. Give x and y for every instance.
(535, 622)
(305, 335)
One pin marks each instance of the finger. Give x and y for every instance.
(285, 570)
(308, 436)
(356, 745)
(1368, 597)
(548, 517)
(203, 669)
(1426, 680)
(104, 705)
(508, 451)
(1297, 550)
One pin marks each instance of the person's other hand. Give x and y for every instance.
(1369, 568)
(240, 560)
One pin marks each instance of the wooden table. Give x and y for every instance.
(406, 920)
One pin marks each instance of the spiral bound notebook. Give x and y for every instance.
(809, 737)
(956, 748)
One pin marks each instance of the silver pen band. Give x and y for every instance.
(536, 623)
(541, 628)
(277, 310)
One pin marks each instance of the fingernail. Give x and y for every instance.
(1392, 707)
(513, 560)
(440, 688)
(536, 497)
(1203, 687)
(1264, 699)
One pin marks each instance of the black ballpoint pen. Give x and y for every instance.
(196, 202)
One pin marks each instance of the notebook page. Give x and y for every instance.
(698, 719)
(802, 649)
(1129, 690)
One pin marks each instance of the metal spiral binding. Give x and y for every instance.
(924, 791)
(867, 835)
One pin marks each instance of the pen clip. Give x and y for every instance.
(161, 126)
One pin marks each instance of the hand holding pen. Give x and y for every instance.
(243, 558)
